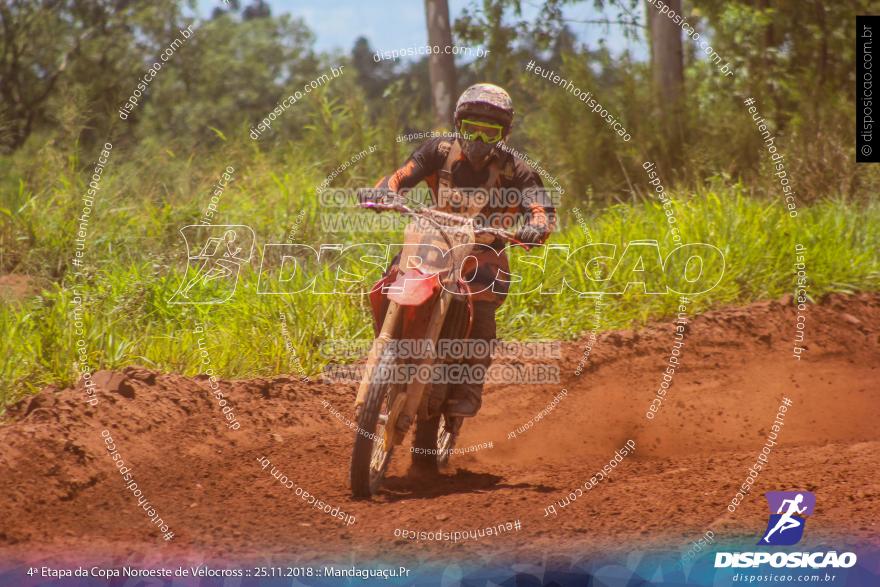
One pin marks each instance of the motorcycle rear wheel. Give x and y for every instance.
(433, 443)
(446, 440)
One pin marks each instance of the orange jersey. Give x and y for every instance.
(513, 192)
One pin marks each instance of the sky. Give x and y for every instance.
(394, 24)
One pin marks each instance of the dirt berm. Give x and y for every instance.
(61, 497)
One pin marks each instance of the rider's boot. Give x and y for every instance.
(465, 401)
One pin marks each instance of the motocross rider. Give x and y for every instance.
(475, 157)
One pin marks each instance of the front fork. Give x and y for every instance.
(407, 403)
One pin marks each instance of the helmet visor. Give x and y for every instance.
(479, 130)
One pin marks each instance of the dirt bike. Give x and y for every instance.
(423, 299)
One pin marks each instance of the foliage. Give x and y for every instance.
(135, 257)
(68, 65)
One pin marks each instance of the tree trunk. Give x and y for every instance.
(667, 55)
(667, 67)
(441, 66)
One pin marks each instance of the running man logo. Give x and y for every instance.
(212, 272)
(786, 525)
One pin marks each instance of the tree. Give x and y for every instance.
(257, 9)
(31, 64)
(441, 65)
(233, 71)
(667, 55)
(373, 76)
(47, 47)
(667, 67)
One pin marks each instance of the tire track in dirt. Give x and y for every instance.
(61, 497)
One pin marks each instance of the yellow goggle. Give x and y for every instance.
(478, 130)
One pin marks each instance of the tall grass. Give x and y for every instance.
(135, 257)
(128, 318)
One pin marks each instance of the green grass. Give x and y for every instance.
(149, 190)
(136, 265)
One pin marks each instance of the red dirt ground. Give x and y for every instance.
(61, 497)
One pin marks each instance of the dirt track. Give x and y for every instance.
(61, 497)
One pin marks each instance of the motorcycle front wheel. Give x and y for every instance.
(370, 457)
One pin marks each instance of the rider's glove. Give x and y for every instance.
(370, 195)
(377, 196)
(531, 234)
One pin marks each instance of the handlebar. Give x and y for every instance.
(402, 208)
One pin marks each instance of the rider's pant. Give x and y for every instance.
(483, 328)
